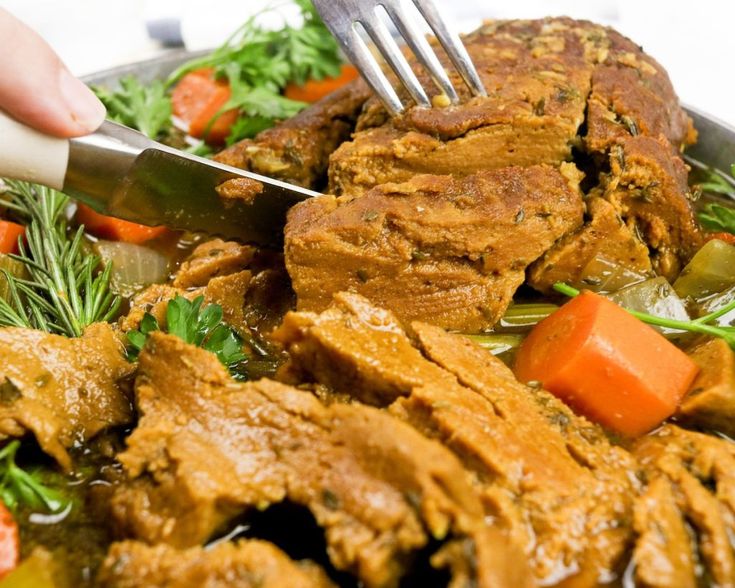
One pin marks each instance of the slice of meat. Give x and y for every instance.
(207, 449)
(253, 300)
(663, 552)
(243, 189)
(550, 478)
(648, 187)
(701, 469)
(62, 390)
(485, 560)
(604, 236)
(246, 564)
(537, 82)
(337, 349)
(710, 403)
(448, 251)
(211, 259)
(229, 291)
(297, 150)
(542, 78)
(632, 95)
(154, 300)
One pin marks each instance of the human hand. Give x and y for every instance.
(37, 89)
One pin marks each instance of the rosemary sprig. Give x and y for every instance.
(64, 293)
(701, 325)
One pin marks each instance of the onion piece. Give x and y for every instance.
(710, 271)
(656, 297)
(716, 302)
(521, 318)
(497, 343)
(603, 275)
(133, 266)
(38, 570)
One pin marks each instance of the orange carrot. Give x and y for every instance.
(314, 90)
(197, 99)
(9, 542)
(726, 237)
(115, 229)
(9, 233)
(606, 364)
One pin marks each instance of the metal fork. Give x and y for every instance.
(342, 17)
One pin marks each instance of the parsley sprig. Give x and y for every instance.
(64, 293)
(17, 486)
(715, 217)
(145, 107)
(197, 325)
(258, 63)
(702, 325)
(715, 181)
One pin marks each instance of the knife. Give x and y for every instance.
(122, 173)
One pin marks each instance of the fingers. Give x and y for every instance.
(37, 89)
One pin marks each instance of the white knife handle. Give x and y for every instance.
(27, 154)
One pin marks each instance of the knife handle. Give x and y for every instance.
(27, 154)
(88, 168)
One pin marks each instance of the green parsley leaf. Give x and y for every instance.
(18, 486)
(146, 108)
(258, 64)
(718, 218)
(197, 325)
(246, 127)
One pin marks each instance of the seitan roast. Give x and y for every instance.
(562, 94)
(646, 187)
(246, 564)
(452, 251)
(404, 453)
(537, 80)
(298, 149)
(551, 479)
(208, 449)
(543, 77)
(63, 390)
(710, 404)
(692, 486)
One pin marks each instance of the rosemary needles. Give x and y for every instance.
(63, 292)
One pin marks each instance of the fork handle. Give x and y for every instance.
(27, 154)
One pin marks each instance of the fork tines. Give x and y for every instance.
(345, 17)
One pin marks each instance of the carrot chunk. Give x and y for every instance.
(9, 541)
(115, 229)
(9, 233)
(197, 99)
(726, 237)
(606, 365)
(314, 90)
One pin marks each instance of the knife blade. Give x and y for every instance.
(122, 173)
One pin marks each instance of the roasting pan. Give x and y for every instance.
(715, 146)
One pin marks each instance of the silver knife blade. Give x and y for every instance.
(121, 173)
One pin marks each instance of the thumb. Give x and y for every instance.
(37, 89)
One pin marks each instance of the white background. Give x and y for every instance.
(695, 41)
